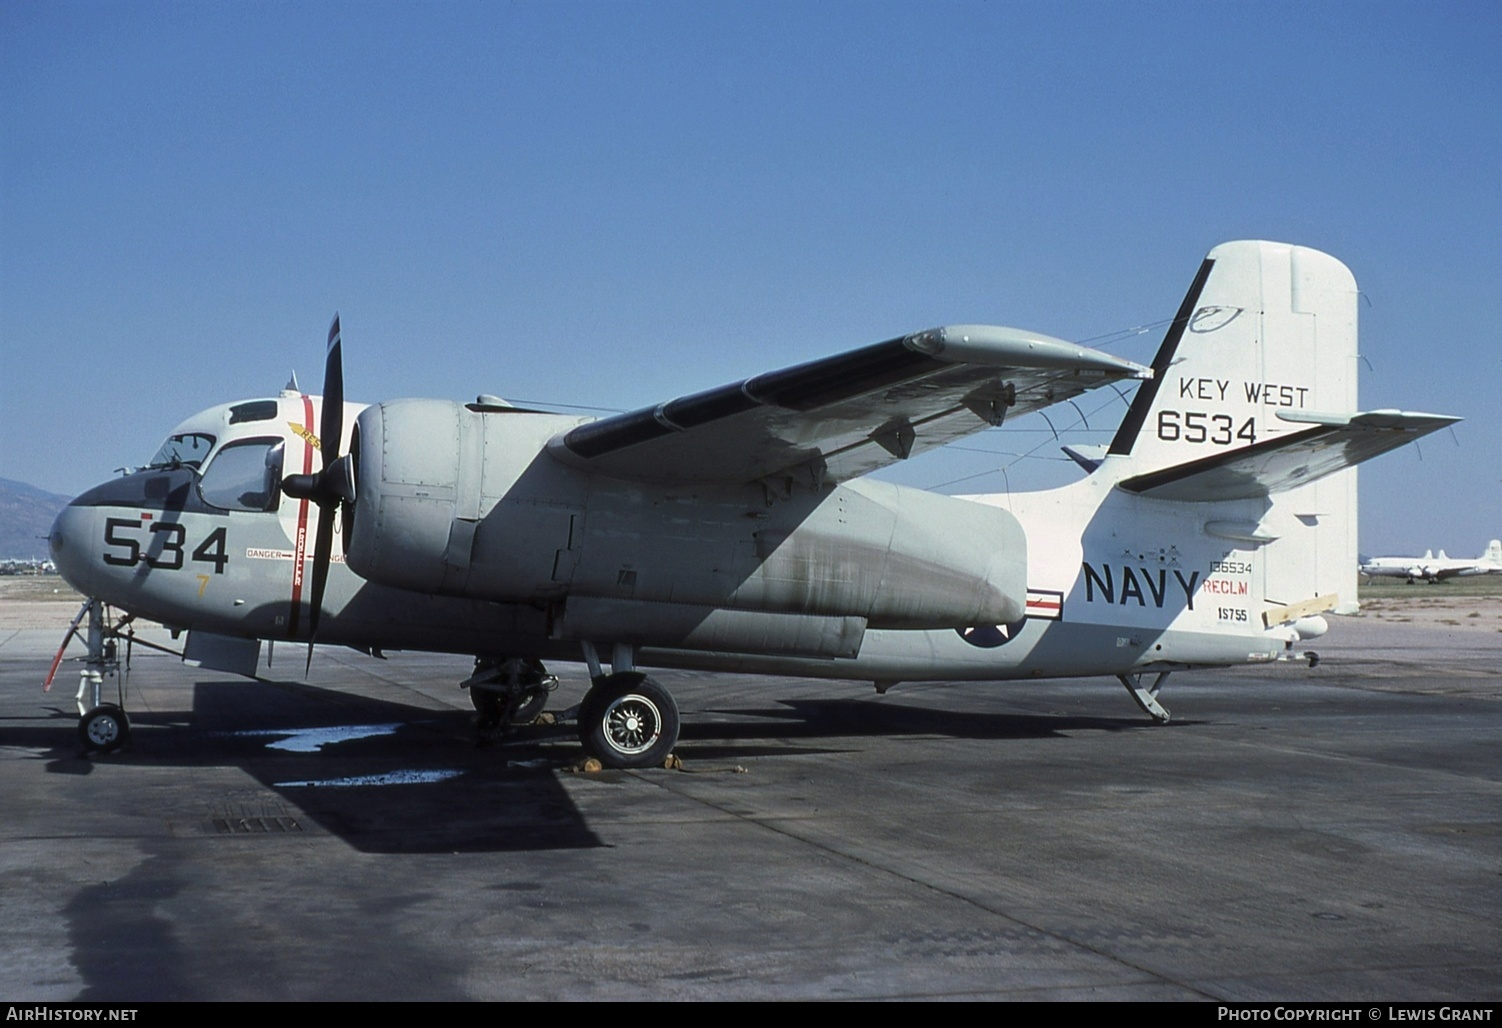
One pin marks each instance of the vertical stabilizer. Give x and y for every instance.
(1266, 330)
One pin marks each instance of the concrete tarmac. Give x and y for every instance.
(1295, 834)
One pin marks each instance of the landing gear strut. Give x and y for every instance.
(102, 727)
(627, 720)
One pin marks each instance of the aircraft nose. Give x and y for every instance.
(69, 541)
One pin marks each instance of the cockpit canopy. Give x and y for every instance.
(237, 464)
(188, 449)
(183, 450)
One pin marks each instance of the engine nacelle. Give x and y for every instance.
(428, 472)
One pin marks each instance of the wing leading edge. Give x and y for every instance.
(844, 416)
(1335, 442)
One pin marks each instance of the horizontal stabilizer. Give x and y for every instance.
(1334, 442)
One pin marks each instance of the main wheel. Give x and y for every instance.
(103, 729)
(525, 708)
(628, 720)
(529, 707)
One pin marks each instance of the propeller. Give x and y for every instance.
(333, 487)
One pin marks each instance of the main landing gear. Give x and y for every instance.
(627, 720)
(509, 691)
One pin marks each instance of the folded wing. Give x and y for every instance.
(844, 416)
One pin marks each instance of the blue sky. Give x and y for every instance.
(614, 203)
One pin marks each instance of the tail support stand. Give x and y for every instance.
(1146, 697)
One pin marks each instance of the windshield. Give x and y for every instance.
(185, 450)
(244, 476)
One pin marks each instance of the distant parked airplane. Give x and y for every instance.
(1431, 569)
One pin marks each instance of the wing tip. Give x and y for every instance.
(1002, 346)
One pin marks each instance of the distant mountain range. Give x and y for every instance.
(26, 515)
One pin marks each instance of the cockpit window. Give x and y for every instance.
(255, 410)
(244, 476)
(183, 451)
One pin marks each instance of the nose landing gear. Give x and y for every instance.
(102, 727)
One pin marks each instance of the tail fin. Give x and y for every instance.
(1254, 388)
(1253, 402)
(1493, 552)
(1266, 329)
(1266, 333)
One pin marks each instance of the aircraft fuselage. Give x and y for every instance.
(863, 580)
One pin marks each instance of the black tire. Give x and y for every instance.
(104, 729)
(627, 720)
(487, 702)
(527, 709)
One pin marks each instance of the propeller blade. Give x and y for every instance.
(331, 430)
(332, 486)
(323, 548)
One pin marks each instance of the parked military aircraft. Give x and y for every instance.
(1432, 569)
(734, 529)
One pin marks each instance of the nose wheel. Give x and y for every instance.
(627, 720)
(104, 729)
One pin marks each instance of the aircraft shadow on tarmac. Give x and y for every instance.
(852, 718)
(385, 777)
(395, 778)
(838, 717)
